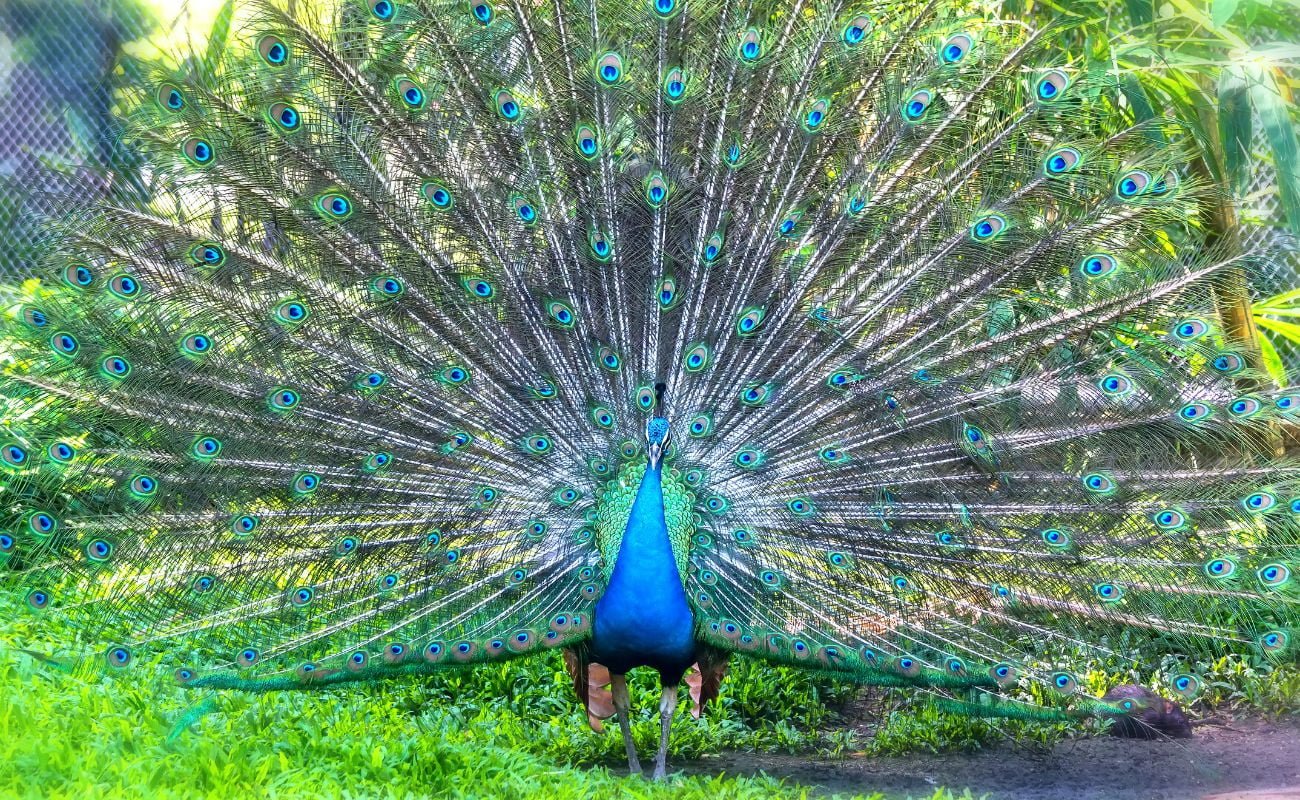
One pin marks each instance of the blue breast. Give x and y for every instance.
(643, 618)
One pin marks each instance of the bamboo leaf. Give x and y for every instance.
(1289, 330)
(1140, 12)
(1275, 118)
(1137, 97)
(219, 37)
(1222, 10)
(1236, 121)
(1278, 312)
(1272, 362)
(1278, 51)
(81, 130)
(1190, 10)
(1281, 299)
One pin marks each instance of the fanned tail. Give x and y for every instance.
(360, 390)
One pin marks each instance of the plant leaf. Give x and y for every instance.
(1278, 312)
(1236, 126)
(219, 37)
(1272, 362)
(1222, 10)
(1279, 300)
(1289, 330)
(1275, 118)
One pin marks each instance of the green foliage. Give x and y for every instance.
(1226, 68)
(506, 730)
(511, 729)
(496, 732)
(1209, 70)
(1276, 317)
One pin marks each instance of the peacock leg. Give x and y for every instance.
(623, 705)
(667, 706)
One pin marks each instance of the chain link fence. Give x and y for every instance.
(56, 94)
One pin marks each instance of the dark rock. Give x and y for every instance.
(1152, 717)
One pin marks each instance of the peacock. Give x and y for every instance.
(863, 337)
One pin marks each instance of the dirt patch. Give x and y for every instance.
(1243, 757)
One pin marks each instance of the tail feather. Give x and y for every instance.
(350, 395)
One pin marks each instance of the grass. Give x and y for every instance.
(497, 732)
(502, 730)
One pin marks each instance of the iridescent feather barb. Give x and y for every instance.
(858, 337)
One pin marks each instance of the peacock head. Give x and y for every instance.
(657, 434)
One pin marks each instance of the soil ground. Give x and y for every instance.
(1242, 760)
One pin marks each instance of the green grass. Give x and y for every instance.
(502, 730)
(496, 732)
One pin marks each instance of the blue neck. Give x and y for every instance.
(643, 618)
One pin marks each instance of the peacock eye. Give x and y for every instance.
(1062, 161)
(602, 247)
(656, 191)
(206, 448)
(1099, 483)
(608, 359)
(750, 320)
(955, 48)
(988, 227)
(273, 50)
(1116, 385)
(698, 357)
(750, 48)
(1133, 183)
(198, 151)
(815, 116)
(1051, 86)
(34, 317)
(334, 206)
(208, 255)
(674, 85)
(306, 483)
(644, 397)
(478, 288)
(78, 276)
(665, 8)
(506, 104)
(482, 11)
(388, 287)
(609, 68)
(170, 98)
(124, 286)
(524, 209)
(410, 92)
(1228, 363)
(561, 314)
(1191, 329)
(1098, 265)
(115, 367)
(855, 30)
(917, 105)
(143, 486)
(284, 116)
(13, 455)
